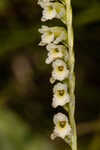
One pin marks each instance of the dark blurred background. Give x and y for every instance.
(25, 92)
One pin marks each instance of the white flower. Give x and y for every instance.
(62, 127)
(60, 71)
(42, 2)
(54, 52)
(61, 96)
(52, 34)
(53, 10)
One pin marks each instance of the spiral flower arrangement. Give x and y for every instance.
(59, 44)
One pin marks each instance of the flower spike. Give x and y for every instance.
(59, 44)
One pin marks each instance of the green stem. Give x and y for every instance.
(71, 81)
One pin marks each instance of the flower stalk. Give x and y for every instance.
(71, 62)
(59, 45)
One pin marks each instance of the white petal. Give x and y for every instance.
(59, 86)
(59, 117)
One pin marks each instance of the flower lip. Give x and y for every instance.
(49, 33)
(61, 92)
(62, 124)
(56, 50)
(50, 8)
(60, 68)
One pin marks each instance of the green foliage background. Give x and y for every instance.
(25, 92)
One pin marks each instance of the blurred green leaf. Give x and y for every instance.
(18, 38)
(90, 15)
(95, 143)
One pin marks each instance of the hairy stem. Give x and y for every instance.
(71, 81)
